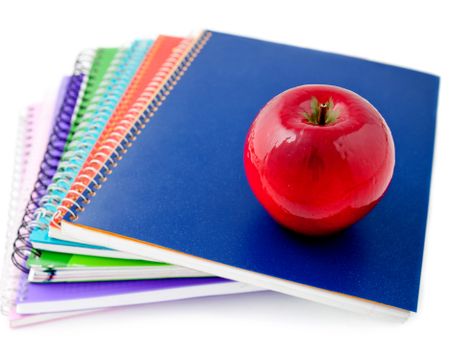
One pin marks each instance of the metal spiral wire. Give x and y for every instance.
(121, 138)
(22, 247)
(89, 126)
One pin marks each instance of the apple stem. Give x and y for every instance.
(321, 114)
(323, 109)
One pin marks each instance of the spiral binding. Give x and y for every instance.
(120, 135)
(22, 247)
(90, 125)
(113, 148)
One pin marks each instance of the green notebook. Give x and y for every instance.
(95, 87)
(61, 267)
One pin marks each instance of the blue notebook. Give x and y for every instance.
(180, 193)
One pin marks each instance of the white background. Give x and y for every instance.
(39, 41)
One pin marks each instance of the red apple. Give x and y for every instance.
(319, 158)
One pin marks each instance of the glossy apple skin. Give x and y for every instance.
(314, 179)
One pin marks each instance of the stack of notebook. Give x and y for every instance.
(130, 186)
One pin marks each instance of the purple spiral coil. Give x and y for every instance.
(22, 246)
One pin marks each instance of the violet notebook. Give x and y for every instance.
(78, 296)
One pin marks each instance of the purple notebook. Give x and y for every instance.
(39, 298)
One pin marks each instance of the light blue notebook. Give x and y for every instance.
(108, 81)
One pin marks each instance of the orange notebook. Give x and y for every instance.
(163, 57)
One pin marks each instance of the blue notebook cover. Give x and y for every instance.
(181, 186)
